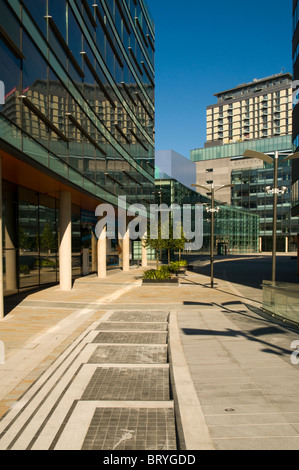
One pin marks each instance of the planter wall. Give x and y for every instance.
(163, 282)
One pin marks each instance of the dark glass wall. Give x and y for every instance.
(236, 229)
(250, 192)
(79, 81)
(295, 55)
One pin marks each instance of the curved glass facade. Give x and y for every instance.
(79, 91)
(236, 229)
(79, 115)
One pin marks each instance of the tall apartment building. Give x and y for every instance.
(255, 110)
(256, 116)
(76, 130)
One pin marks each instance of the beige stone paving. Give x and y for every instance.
(23, 324)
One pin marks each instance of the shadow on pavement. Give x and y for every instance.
(254, 335)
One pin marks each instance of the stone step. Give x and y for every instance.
(110, 389)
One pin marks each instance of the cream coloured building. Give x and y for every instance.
(255, 110)
(255, 116)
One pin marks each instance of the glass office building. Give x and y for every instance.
(295, 54)
(249, 192)
(236, 229)
(78, 117)
(225, 164)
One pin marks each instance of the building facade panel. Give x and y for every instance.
(79, 110)
(248, 111)
(295, 48)
(236, 229)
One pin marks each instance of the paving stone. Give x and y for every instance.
(126, 326)
(139, 316)
(131, 384)
(131, 429)
(129, 355)
(133, 338)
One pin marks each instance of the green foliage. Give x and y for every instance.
(164, 270)
(174, 267)
(150, 274)
(172, 242)
(47, 239)
(45, 263)
(157, 274)
(183, 262)
(23, 267)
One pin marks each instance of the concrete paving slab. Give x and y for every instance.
(231, 371)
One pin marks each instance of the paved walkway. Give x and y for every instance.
(116, 365)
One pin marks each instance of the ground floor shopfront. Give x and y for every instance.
(48, 232)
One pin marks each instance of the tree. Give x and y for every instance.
(155, 243)
(169, 243)
(47, 239)
(179, 243)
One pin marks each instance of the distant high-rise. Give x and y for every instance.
(256, 116)
(255, 110)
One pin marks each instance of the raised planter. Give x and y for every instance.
(162, 282)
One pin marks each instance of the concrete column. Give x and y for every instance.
(120, 252)
(65, 245)
(286, 244)
(260, 244)
(126, 251)
(10, 248)
(102, 254)
(1, 248)
(143, 254)
(94, 255)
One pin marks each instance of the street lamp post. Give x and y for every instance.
(275, 191)
(212, 189)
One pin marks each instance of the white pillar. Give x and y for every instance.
(93, 252)
(65, 245)
(102, 254)
(1, 248)
(260, 244)
(286, 244)
(126, 251)
(9, 242)
(143, 254)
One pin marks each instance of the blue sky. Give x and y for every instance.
(204, 47)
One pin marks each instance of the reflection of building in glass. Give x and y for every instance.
(78, 118)
(295, 164)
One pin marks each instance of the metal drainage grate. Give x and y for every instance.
(140, 316)
(126, 326)
(128, 384)
(129, 355)
(131, 429)
(131, 338)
